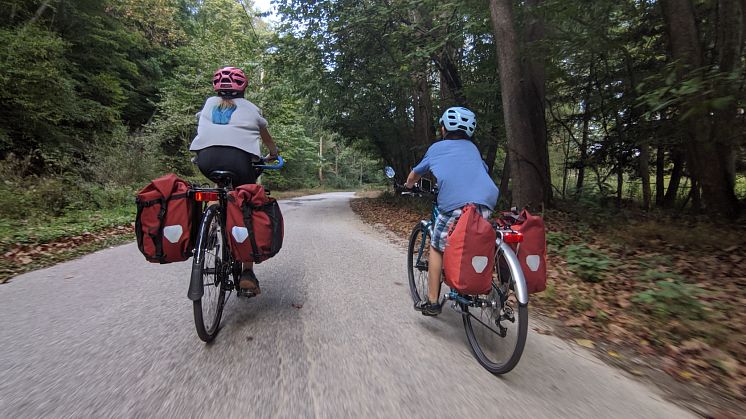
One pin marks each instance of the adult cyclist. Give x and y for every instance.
(229, 133)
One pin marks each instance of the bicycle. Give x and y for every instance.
(215, 273)
(496, 308)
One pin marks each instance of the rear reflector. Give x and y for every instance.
(206, 196)
(512, 237)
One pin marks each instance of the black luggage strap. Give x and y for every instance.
(247, 211)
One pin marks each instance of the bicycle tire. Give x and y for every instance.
(416, 265)
(209, 263)
(481, 339)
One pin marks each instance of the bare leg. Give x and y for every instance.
(434, 267)
(247, 266)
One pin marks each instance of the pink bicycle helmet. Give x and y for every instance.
(229, 79)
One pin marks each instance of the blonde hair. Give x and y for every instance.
(226, 104)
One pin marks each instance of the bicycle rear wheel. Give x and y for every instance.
(210, 265)
(497, 333)
(417, 262)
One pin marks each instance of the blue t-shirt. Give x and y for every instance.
(461, 173)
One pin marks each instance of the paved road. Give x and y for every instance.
(110, 335)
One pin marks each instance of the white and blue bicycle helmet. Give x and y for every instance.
(459, 118)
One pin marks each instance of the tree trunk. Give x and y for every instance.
(451, 88)
(619, 181)
(527, 167)
(422, 100)
(645, 174)
(584, 143)
(660, 173)
(709, 143)
(505, 178)
(423, 131)
(321, 160)
(677, 156)
(490, 156)
(40, 11)
(535, 92)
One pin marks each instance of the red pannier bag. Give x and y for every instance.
(254, 223)
(165, 220)
(532, 251)
(469, 256)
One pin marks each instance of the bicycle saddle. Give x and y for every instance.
(222, 177)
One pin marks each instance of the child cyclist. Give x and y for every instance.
(228, 138)
(462, 179)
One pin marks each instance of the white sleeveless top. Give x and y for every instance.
(241, 131)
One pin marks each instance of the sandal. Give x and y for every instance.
(248, 282)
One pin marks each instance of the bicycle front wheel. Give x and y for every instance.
(210, 265)
(417, 262)
(497, 331)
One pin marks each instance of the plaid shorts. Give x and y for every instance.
(444, 222)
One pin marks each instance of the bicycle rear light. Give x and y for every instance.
(205, 196)
(512, 237)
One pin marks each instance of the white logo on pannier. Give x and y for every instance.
(173, 233)
(240, 233)
(479, 263)
(533, 262)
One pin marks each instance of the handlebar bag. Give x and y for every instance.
(165, 220)
(532, 251)
(469, 256)
(254, 224)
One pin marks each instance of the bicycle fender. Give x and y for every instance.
(521, 290)
(196, 289)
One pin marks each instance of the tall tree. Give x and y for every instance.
(528, 169)
(709, 114)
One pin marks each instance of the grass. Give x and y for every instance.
(45, 229)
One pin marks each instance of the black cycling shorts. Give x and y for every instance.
(228, 158)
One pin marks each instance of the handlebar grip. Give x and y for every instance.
(278, 166)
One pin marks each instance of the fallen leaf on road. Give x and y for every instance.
(586, 343)
(693, 345)
(575, 322)
(614, 354)
(298, 306)
(686, 375)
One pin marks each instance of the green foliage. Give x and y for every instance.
(558, 239)
(653, 275)
(124, 160)
(589, 264)
(670, 300)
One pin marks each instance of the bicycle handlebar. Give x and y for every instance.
(415, 191)
(280, 163)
